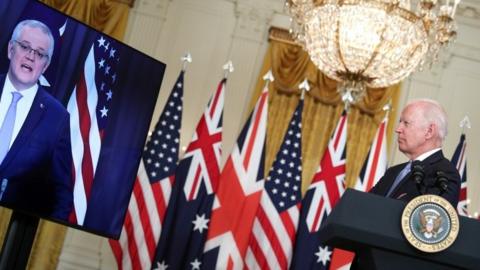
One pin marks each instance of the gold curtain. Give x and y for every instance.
(110, 17)
(290, 65)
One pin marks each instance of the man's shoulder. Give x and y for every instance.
(446, 164)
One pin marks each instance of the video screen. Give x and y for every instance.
(75, 108)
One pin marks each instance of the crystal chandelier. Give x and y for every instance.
(371, 43)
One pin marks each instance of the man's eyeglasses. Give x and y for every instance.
(27, 49)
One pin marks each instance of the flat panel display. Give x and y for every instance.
(75, 107)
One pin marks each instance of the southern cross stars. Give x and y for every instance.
(323, 255)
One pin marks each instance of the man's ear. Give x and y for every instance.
(430, 131)
(10, 50)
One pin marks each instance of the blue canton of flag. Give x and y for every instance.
(196, 180)
(107, 59)
(273, 233)
(161, 153)
(284, 180)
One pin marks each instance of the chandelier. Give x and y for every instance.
(371, 43)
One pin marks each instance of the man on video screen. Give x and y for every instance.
(35, 154)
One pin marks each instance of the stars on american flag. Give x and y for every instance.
(101, 42)
(323, 255)
(107, 58)
(104, 111)
(112, 53)
(109, 94)
(284, 179)
(161, 149)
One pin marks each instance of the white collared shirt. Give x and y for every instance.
(23, 105)
(425, 155)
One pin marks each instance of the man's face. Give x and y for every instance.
(25, 65)
(412, 131)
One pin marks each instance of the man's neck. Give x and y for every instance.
(18, 86)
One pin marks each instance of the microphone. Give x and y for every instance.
(418, 175)
(442, 182)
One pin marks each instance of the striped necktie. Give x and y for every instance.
(399, 177)
(6, 130)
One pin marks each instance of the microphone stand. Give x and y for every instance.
(442, 182)
(418, 175)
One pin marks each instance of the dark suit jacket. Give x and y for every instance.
(38, 167)
(407, 189)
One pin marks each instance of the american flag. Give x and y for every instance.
(89, 107)
(273, 232)
(238, 195)
(196, 180)
(376, 164)
(459, 159)
(143, 222)
(323, 193)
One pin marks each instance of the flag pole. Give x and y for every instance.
(186, 59)
(227, 69)
(304, 87)
(465, 123)
(268, 77)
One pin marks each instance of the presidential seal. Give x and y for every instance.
(430, 223)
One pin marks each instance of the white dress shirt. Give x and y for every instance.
(425, 155)
(23, 105)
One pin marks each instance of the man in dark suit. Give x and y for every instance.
(35, 153)
(421, 132)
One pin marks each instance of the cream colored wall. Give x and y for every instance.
(215, 31)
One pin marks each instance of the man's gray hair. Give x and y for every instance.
(434, 113)
(35, 24)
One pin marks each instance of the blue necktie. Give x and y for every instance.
(399, 177)
(7, 127)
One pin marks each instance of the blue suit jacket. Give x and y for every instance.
(407, 189)
(37, 170)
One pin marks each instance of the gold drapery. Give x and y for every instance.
(107, 16)
(290, 65)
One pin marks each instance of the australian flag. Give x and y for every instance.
(323, 193)
(196, 180)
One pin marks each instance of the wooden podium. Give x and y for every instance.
(369, 225)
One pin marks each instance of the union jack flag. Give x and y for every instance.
(376, 164)
(89, 107)
(459, 159)
(323, 193)
(146, 211)
(196, 180)
(238, 195)
(273, 233)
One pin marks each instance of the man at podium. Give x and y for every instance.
(421, 131)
